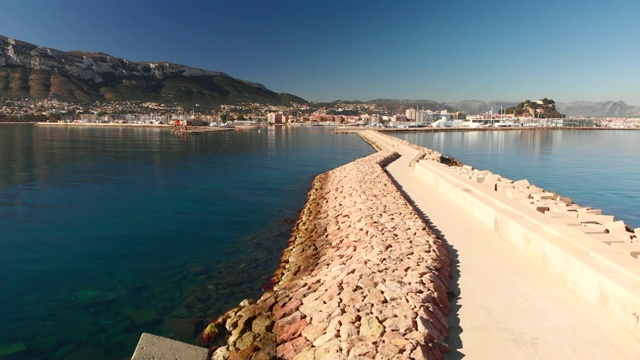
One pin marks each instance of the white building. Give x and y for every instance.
(410, 114)
(424, 117)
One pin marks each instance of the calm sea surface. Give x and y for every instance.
(105, 233)
(108, 232)
(598, 168)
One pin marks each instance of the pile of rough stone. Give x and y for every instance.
(362, 278)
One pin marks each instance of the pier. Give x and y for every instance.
(399, 256)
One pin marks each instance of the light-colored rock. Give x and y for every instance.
(222, 353)
(387, 351)
(323, 339)
(370, 326)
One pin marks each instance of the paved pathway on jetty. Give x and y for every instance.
(508, 307)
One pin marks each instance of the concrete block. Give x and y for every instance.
(571, 214)
(562, 215)
(559, 205)
(490, 184)
(632, 249)
(541, 196)
(593, 217)
(552, 204)
(536, 189)
(524, 183)
(478, 178)
(617, 226)
(515, 193)
(609, 238)
(566, 200)
(502, 187)
(153, 347)
(593, 228)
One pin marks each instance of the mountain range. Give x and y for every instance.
(575, 108)
(598, 109)
(28, 70)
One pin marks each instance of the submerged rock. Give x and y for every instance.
(182, 329)
(144, 316)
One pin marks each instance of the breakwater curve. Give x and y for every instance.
(363, 277)
(535, 276)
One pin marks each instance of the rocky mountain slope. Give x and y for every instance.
(28, 70)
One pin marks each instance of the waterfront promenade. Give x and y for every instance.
(507, 306)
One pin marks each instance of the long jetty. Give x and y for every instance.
(406, 254)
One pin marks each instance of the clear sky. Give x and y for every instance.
(325, 50)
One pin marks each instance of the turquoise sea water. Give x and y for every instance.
(598, 168)
(108, 232)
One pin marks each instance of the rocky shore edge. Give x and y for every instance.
(363, 276)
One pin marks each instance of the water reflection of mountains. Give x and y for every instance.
(30, 153)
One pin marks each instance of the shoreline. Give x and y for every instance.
(350, 130)
(192, 130)
(102, 125)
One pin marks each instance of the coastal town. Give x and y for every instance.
(334, 180)
(339, 113)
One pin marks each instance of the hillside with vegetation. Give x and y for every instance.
(543, 108)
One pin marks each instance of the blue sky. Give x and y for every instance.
(324, 50)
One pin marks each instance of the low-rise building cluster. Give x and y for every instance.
(337, 113)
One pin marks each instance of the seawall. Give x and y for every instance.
(593, 254)
(363, 277)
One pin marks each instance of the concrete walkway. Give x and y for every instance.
(507, 306)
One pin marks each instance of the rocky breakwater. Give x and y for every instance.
(362, 278)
